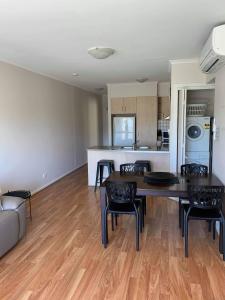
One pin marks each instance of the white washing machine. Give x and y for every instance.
(197, 134)
(198, 140)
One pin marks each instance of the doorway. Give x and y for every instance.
(194, 126)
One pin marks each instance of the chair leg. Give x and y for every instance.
(180, 213)
(186, 235)
(182, 220)
(30, 208)
(144, 206)
(221, 238)
(214, 230)
(116, 219)
(96, 179)
(137, 232)
(112, 221)
(141, 215)
(105, 234)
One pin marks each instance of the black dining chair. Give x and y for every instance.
(121, 200)
(134, 169)
(205, 204)
(190, 170)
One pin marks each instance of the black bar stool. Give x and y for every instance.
(100, 170)
(145, 163)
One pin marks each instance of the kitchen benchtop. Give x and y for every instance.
(118, 149)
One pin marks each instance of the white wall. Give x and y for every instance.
(163, 89)
(132, 89)
(186, 72)
(45, 128)
(105, 138)
(219, 113)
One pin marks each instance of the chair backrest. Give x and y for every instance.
(121, 192)
(194, 170)
(132, 169)
(206, 197)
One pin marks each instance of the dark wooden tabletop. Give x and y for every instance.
(174, 190)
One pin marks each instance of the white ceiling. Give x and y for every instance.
(52, 36)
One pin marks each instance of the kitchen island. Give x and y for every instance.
(159, 158)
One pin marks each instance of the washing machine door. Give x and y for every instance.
(195, 132)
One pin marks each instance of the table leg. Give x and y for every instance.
(103, 205)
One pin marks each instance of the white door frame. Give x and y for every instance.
(174, 115)
(181, 131)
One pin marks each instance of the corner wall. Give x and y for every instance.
(219, 114)
(45, 128)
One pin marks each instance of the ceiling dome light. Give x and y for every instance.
(141, 80)
(100, 52)
(75, 74)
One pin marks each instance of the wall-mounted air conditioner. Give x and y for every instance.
(213, 53)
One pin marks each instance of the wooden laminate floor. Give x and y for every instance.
(61, 256)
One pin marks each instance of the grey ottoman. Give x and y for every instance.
(12, 222)
(9, 230)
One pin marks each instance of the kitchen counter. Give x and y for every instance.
(162, 149)
(159, 158)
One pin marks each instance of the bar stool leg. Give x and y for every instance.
(101, 174)
(96, 179)
(109, 169)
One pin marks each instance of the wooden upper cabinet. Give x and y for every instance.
(147, 111)
(130, 105)
(163, 107)
(117, 106)
(125, 105)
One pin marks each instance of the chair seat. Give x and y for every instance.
(145, 163)
(105, 161)
(123, 208)
(140, 197)
(202, 213)
(19, 193)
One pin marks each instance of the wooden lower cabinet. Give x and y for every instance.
(147, 113)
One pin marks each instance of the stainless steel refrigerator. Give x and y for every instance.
(123, 130)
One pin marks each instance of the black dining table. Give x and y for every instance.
(179, 189)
